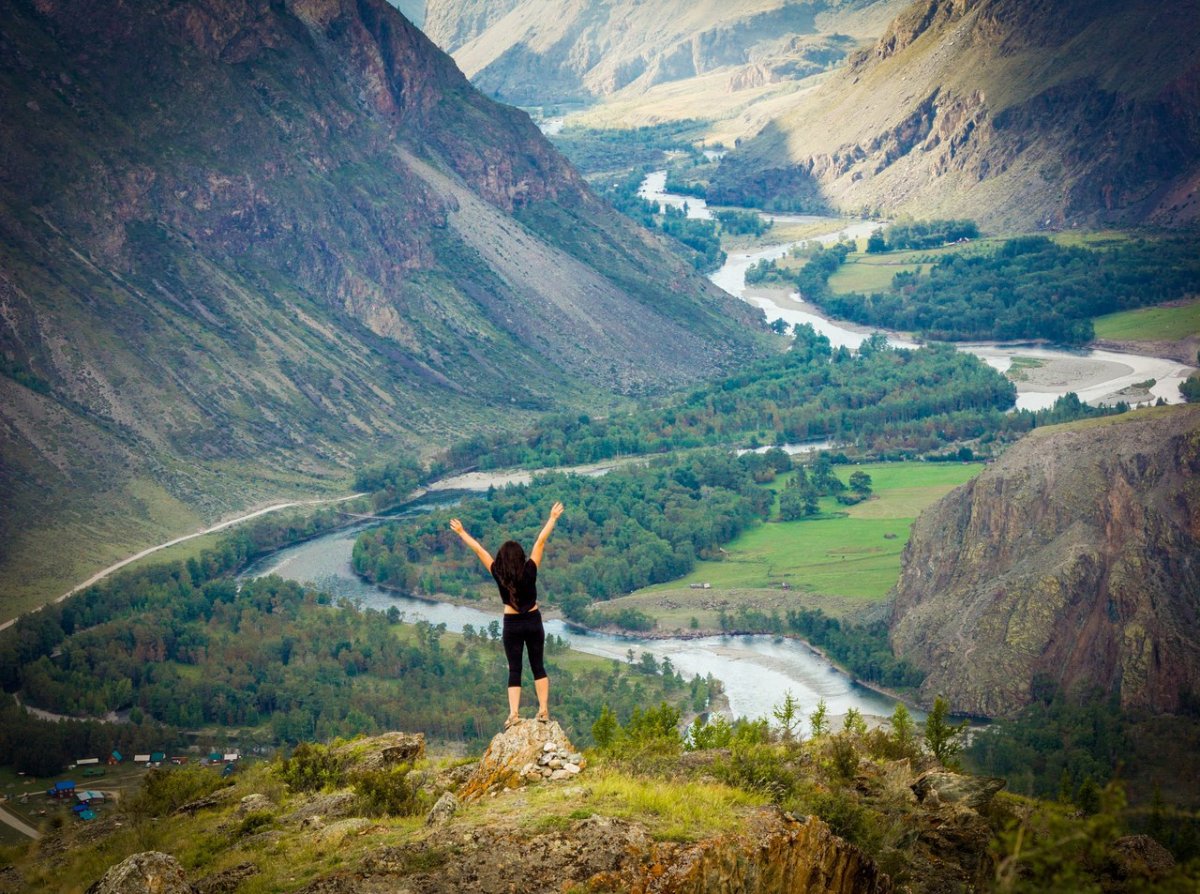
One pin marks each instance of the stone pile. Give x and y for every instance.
(526, 751)
(555, 762)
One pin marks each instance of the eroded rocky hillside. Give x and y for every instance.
(244, 245)
(1017, 113)
(1073, 562)
(531, 52)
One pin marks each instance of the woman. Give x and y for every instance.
(516, 576)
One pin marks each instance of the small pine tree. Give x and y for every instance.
(854, 723)
(818, 719)
(903, 730)
(787, 714)
(606, 728)
(943, 738)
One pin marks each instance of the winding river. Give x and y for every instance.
(1093, 375)
(757, 670)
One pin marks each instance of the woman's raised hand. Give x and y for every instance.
(556, 510)
(456, 526)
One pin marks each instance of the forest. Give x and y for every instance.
(882, 403)
(1031, 287)
(271, 661)
(635, 526)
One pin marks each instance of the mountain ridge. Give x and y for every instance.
(223, 283)
(1020, 114)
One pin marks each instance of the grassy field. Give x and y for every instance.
(840, 562)
(1163, 323)
(873, 273)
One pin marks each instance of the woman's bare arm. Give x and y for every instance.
(555, 511)
(484, 556)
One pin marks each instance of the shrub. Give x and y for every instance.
(388, 792)
(166, 789)
(758, 768)
(310, 768)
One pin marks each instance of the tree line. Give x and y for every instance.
(1029, 288)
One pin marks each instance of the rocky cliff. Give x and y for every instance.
(244, 245)
(1015, 112)
(1073, 562)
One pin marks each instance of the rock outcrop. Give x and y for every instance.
(1015, 113)
(525, 752)
(1072, 563)
(780, 854)
(151, 872)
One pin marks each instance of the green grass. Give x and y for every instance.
(835, 562)
(1162, 323)
(873, 273)
(669, 808)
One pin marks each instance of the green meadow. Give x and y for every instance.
(1162, 323)
(840, 561)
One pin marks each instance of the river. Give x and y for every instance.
(757, 671)
(1095, 376)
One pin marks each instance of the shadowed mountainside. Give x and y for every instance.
(1015, 112)
(244, 245)
(1073, 562)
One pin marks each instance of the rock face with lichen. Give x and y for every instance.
(528, 751)
(1073, 562)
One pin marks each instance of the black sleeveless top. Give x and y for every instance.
(526, 595)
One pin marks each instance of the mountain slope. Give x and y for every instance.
(1016, 112)
(244, 246)
(583, 51)
(1073, 562)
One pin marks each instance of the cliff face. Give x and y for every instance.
(1014, 112)
(245, 244)
(1073, 561)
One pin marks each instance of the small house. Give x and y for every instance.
(89, 795)
(214, 757)
(141, 758)
(231, 757)
(62, 789)
(92, 772)
(158, 757)
(179, 760)
(87, 761)
(115, 758)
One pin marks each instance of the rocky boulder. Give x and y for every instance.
(526, 751)
(150, 872)
(381, 752)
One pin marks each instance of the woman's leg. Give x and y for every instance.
(512, 640)
(536, 643)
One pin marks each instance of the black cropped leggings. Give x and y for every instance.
(524, 630)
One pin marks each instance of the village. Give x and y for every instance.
(91, 786)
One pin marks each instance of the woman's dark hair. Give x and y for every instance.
(508, 567)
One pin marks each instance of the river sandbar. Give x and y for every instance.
(1074, 374)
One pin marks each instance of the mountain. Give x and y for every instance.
(1019, 113)
(1073, 562)
(246, 246)
(584, 51)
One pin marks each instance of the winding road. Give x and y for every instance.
(116, 566)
